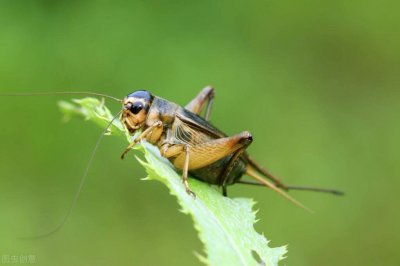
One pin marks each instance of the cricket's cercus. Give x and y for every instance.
(194, 145)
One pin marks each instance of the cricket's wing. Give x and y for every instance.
(198, 124)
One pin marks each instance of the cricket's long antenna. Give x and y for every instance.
(254, 174)
(305, 188)
(61, 93)
(80, 186)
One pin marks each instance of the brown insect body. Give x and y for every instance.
(193, 144)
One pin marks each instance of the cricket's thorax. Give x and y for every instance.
(164, 111)
(161, 110)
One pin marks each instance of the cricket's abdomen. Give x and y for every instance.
(215, 172)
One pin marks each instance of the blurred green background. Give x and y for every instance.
(317, 83)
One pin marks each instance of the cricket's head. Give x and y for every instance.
(135, 108)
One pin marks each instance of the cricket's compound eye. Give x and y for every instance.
(136, 108)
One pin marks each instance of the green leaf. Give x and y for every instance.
(225, 225)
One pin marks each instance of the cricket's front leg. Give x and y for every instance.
(152, 134)
(206, 95)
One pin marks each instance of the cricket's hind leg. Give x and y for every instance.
(206, 95)
(234, 162)
(255, 167)
(237, 157)
(253, 164)
(263, 181)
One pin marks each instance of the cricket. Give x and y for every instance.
(190, 142)
(193, 145)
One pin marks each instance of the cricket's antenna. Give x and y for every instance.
(251, 172)
(80, 186)
(61, 93)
